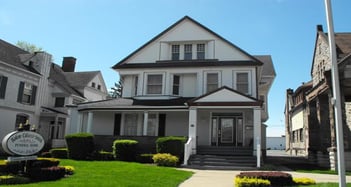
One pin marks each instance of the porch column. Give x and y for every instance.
(192, 128)
(79, 122)
(146, 119)
(257, 128)
(90, 122)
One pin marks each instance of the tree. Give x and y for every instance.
(28, 46)
(116, 91)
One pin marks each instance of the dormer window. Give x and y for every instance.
(200, 51)
(188, 52)
(175, 52)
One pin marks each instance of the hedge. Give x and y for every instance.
(276, 178)
(80, 146)
(171, 144)
(59, 152)
(125, 150)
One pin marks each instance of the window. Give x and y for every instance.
(136, 85)
(99, 87)
(200, 51)
(130, 124)
(188, 53)
(152, 125)
(154, 84)
(242, 82)
(3, 83)
(176, 84)
(93, 84)
(26, 93)
(21, 119)
(212, 81)
(59, 102)
(57, 131)
(175, 52)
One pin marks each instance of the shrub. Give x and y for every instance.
(303, 181)
(59, 152)
(14, 167)
(145, 158)
(165, 159)
(69, 170)
(47, 174)
(45, 154)
(275, 178)
(44, 163)
(250, 182)
(80, 146)
(172, 145)
(104, 155)
(125, 150)
(10, 179)
(3, 166)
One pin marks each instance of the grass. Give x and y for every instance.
(326, 185)
(115, 173)
(318, 171)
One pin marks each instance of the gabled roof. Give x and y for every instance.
(57, 74)
(224, 96)
(117, 66)
(267, 67)
(80, 79)
(10, 54)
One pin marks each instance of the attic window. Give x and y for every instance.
(175, 52)
(99, 87)
(93, 84)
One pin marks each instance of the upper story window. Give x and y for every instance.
(99, 87)
(26, 93)
(135, 88)
(200, 51)
(59, 102)
(212, 82)
(175, 52)
(3, 83)
(154, 84)
(188, 51)
(176, 85)
(93, 84)
(242, 82)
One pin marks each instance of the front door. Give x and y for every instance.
(227, 131)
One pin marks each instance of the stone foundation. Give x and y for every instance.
(333, 157)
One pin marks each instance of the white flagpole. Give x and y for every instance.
(336, 97)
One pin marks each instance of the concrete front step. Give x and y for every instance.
(222, 161)
(224, 150)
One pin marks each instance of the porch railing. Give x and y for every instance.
(187, 150)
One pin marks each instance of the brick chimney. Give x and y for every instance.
(319, 28)
(68, 64)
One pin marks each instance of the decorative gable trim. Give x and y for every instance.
(224, 96)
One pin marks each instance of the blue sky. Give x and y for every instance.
(99, 33)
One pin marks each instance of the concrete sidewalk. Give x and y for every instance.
(225, 178)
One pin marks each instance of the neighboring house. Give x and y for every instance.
(310, 125)
(187, 81)
(35, 89)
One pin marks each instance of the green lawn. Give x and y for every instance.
(321, 171)
(115, 173)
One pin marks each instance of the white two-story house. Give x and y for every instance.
(187, 81)
(34, 89)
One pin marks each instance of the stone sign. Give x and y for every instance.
(23, 143)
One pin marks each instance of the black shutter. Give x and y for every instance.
(3, 87)
(162, 125)
(117, 126)
(34, 94)
(20, 92)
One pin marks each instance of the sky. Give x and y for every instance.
(100, 33)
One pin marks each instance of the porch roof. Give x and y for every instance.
(131, 103)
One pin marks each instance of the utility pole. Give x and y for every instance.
(336, 97)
